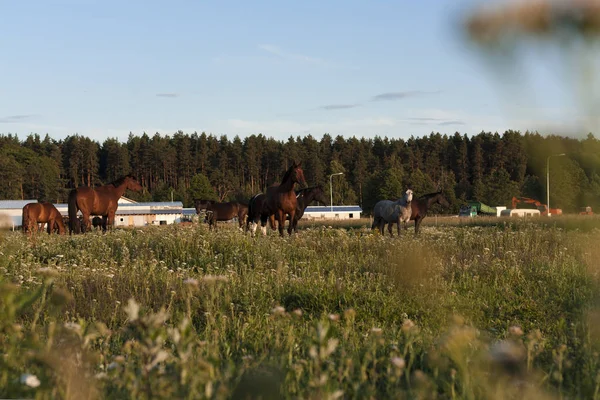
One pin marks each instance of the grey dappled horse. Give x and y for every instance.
(387, 211)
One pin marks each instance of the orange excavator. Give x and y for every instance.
(586, 211)
(540, 206)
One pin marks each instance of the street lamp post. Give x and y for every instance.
(548, 179)
(331, 187)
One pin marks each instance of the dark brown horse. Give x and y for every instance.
(303, 198)
(222, 211)
(101, 200)
(421, 205)
(306, 196)
(279, 201)
(97, 223)
(255, 207)
(34, 213)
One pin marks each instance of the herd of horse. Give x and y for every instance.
(281, 202)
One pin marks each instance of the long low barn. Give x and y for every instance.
(141, 214)
(335, 212)
(12, 212)
(128, 213)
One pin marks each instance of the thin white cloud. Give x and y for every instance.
(391, 96)
(15, 119)
(277, 51)
(284, 127)
(331, 107)
(167, 95)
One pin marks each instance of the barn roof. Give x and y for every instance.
(323, 209)
(15, 204)
(150, 205)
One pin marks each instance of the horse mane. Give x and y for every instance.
(119, 181)
(287, 174)
(300, 191)
(430, 195)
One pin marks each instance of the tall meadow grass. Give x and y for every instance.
(463, 311)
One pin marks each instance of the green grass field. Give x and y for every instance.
(484, 309)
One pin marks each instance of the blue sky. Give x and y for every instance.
(364, 68)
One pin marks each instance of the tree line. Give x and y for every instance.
(488, 167)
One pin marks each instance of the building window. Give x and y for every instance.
(350, 215)
(121, 219)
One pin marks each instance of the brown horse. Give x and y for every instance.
(306, 196)
(281, 199)
(222, 211)
(421, 205)
(255, 207)
(34, 213)
(102, 200)
(97, 223)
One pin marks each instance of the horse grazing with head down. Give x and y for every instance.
(278, 201)
(34, 213)
(387, 211)
(222, 211)
(101, 200)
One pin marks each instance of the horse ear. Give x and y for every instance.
(298, 164)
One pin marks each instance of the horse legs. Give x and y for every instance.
(263, 224)
(375, 223)
(417, 225)
(399, 227)
(212, 222)
(381, 226)
(390, 225)
(280, 221)
(86, 222)
(292, 222)
(110, 221)
(50, 226)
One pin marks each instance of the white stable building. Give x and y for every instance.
(335, 212)
(11, 212)
(129, 213)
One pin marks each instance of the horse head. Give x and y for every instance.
(408, 195)
(132, 184)
(441, 200)
(320, 195)
(200, 204)
(296, 174)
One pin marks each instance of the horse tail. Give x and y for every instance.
(252, 205)
(73, 225)
(25, 218)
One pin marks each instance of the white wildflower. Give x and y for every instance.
(278, 310)
(73, 326)
(132, 309)
(30, 380)
(191, 282)
(398, 362)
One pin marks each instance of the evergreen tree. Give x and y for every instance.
(343, 194)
